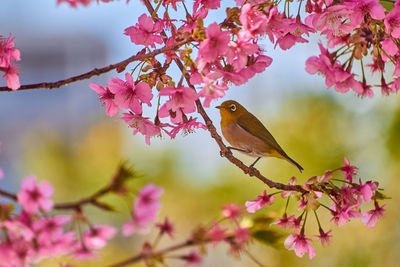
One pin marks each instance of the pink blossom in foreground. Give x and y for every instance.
(371, 217)
(300, 244)
(97, 236)
(145, 32)
(107, 99)
(141, 125)
(214, 45)
(129, 95)
(181, 100)
(260, 202)
(324, 237)
(146, 207)
(343, 215)
(33, 197)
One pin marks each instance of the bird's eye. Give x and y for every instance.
(233, 107)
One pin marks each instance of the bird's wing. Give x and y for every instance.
(259, 130)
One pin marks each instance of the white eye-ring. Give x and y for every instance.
(233, 107)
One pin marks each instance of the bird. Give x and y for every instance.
(246, 134)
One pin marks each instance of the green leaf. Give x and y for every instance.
(266, 236)
(387, 5)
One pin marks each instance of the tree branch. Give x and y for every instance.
(142, 256)
(120, 65)
(113, 186)
(251, 171)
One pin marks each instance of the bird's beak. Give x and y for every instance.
(218, 107)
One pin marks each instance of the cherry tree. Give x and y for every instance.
(211, 57)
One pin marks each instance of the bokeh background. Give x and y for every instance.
(63, 136)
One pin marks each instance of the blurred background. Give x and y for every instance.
(63, 136)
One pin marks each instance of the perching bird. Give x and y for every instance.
(247, 134)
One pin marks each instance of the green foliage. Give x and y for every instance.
(387, 4)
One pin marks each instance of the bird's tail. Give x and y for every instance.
(294, 163)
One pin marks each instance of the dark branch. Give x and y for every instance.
(120, 65)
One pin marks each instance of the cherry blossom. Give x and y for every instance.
(300, 244)
(33, 197)
(107, 98)
(260, 202)
(129, 95)
(145, 32)
(141, 125)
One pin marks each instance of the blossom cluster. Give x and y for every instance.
(356, 29)
(32, 233)
(346, 202)
(8, 54)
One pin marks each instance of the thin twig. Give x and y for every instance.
(77, 205)
(120, 65)
(142, 256)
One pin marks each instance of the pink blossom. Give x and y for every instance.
(216, 234)
(286, 222)
(324, 237)
(212, 89)
(49, 229)
(344, 214)
(292, 181)
(360, 8)
(107, 99)
(259, 203)
(252, 20)
(238, 51)
(294, 35)
(74, 3)
(33, 197)
(348, 170)
(11, 73)
(193, 258)
(207, 4)
(392, 22)
(8, 52)
(231, 211)
(141, 125)
(181, 100)
(367, 190)
(145, 32)
(171, 2)
(371, 217)
(214, 45)
(128, 95)
(300, 244)
(166, 228)
(96, 237)
(146, 207)
(390, 48)
(242, 235)
(187, 127)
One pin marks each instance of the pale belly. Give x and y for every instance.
(239, 138)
